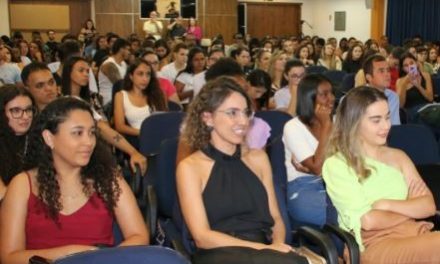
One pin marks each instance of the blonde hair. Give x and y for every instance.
(195, 132)
(344, 138)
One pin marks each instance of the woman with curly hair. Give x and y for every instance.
(70, 192)
(140, 97)
(17, 109)
(225, 189)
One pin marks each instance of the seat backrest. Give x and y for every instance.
(276, 120)
(165, 180)
(279, 173)
(156, 128)
(174, 107)
(347, 83)
(126, 255)
(417, 141)
(316, 69)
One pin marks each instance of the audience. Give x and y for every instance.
(377, 190)
(70, 192)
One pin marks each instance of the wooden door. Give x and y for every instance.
(275, 19)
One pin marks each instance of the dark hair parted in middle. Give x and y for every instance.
(99, 175)
(155, 97)
(306, 98)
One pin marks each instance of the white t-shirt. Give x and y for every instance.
(151, 28)
(299, 144)
(169, 72)
(199, 81)
(105, 85)
(188, 80)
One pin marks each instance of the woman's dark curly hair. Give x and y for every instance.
(66, 83)
(99, 175)
(155, 97)
(12, 147)
(196, 133)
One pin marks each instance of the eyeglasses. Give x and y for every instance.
(234, 113)
(17, 112)
(296, 76)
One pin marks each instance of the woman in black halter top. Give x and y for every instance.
(225, 190)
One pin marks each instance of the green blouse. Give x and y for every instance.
(353, 199)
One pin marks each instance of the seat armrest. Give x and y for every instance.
(348, 239)
(150, 214)
(325, 244)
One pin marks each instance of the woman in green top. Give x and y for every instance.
(376, 189)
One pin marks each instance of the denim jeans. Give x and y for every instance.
(306, 201)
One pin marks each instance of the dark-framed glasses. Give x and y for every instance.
(17, 112)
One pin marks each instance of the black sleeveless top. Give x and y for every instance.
(234, 197)
(414, 97)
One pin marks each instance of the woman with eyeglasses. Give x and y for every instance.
(17, 108)
(285, 98)
(139, 98)
(305, 138)
(225, 189)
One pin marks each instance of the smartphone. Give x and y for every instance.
(413, 69)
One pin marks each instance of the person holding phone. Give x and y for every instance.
(414, 86)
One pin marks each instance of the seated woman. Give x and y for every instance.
(17, 108)
(75, 83)
(377, 190)
(303, 54)
(70, 192)
(185, 78)
(285, 98)
(305, 138)
(414, 86)
(141, 96)
(329, 59)
(353, 62)
(225, 190)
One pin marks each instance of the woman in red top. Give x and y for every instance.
(70, 192)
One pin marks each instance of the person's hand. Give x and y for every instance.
(417, 188)
(281, 247)
(322, 114)
(138, 158)
(72, 249)
(299, 167)
(415, 79)
(381, 204)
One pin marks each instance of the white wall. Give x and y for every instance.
(358, 18)
(4, 18)
(320, 15)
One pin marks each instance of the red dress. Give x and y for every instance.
(91, 224)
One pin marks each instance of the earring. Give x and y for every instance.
(209, 128)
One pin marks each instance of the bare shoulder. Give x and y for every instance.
(257, 160)
(195, 163)
(395, 157)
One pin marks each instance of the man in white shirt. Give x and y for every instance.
(180, 55)
(153, 26)
(113, 69)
